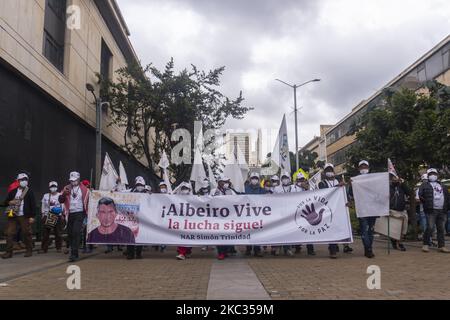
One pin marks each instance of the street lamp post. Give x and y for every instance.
(294, 86)
(98, 135)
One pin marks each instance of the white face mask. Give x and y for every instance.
(329, 174)
(185, 192)
(286, 181)
(23, 183)
(204, 190)
(164, 190)
(254, 182)
(275, 183)
(364, 171)
(432, 178)
(299, 183)
(140, 188)
(226, 185)
(53, 189)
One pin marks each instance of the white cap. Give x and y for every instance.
(254, 175)
(148, 188)
(74, 176)
(424, 177)
(330, 165)
(223, 178)
(285, 174)
(363, 162)
(432, 170)
(53, 183)
(300, 176)
(162, 183)
(275, 178)
(139, 180)
(205, 184)
(22, 176)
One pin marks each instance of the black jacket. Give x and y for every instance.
(397, 194)
(426, 195)
(29, 203)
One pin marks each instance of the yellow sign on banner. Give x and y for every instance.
(294, 177)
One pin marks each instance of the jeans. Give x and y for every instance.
(366, 226)
(422, 221)
(74, 229)
(46, 231)
(11, 232)
(448, 222)
(436, 218)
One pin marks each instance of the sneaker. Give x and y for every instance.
(347, 249)
(180, 257)
(7, 255)
(425, 248)
(444, 250)
(369, 254)
(221, 256)
(402, 247)
(333, 256)
(289, 253)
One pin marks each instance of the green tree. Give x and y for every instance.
(150, 104)
(411, 129)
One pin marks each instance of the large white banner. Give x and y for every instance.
(371, 193)
(307, 217)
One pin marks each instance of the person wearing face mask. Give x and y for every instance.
(285, 187)
(224, 187)
(330, 181)
(183, 189)
(135, 251)
(21, 210)
(274, 182)
(398, 192)
(162, 187)
(436, 201)
(50, 204)
(204, 190)
(254, 187)
(366, 224)
(75, 197)
(301, 184)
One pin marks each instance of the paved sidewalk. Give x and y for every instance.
(404, 275)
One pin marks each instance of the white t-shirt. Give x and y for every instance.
(438, 196)
(47, 204)
(18, 194)
(76, 200)
(282, 189)
(296, 188)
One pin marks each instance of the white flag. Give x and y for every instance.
(242, 163)
(212, 179)
(164, 164)
(233, 171)
(198, 174)
(122, 174)
(315, 180)
(391, 168)
(108, 179)
(280, 154)
(371, 193)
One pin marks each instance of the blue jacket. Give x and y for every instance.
(250, 189)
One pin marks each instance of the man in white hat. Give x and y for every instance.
(50, 204)
(224, 187)
(274, 183)
(75, 197)
(21, 211)
(366, 224)
(285, 187)
(301, 184)
(185, 189)
(135, 251)
(254, 187)
(330, 181)
(436, 201)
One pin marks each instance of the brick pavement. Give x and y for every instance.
(404, 275)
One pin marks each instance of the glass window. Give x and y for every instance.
(434, 66)
(54, 32)
(421, 74)
(446, 57)
(105, 61)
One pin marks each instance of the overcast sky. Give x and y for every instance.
(354, 46)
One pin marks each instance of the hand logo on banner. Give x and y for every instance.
(311, 215)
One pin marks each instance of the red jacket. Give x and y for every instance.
(65, 199)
